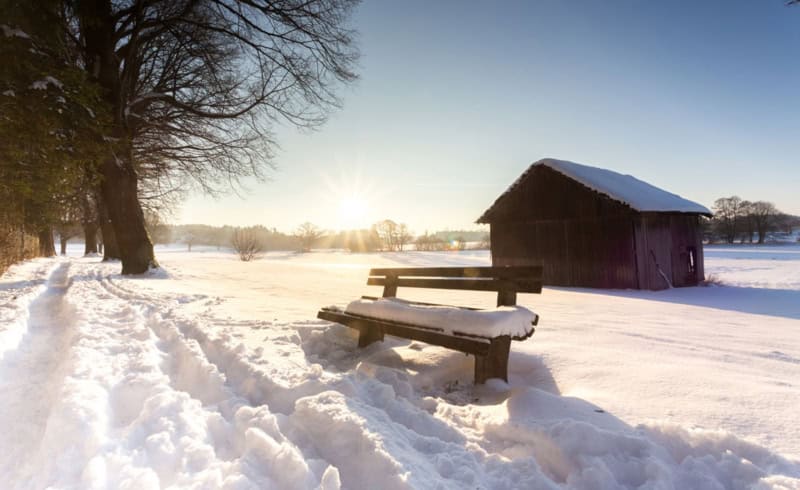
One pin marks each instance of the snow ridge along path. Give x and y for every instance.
(32, 376)
(161, 382)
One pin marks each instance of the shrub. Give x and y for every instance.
(246, 243)
(712, 281)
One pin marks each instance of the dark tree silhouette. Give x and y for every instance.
(51, 116)
(763, 215)
(193, 87)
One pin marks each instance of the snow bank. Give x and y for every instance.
(9, 31)
(516, 321)
(579, 446)
(19, 286)
(45, 82)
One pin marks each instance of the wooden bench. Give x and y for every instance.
(491, 353)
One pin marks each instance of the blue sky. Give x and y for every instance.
(456, 99)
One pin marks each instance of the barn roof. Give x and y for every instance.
(629, 190)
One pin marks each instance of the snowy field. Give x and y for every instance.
(214, 373)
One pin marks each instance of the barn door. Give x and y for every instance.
(685, 257)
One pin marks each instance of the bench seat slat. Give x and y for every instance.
(519, 285)
(467, 345)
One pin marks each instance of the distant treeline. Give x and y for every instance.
(383, 236)
(736, 219)
(220, 236)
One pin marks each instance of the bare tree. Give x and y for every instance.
(394, 236)
(307, 233)
(194, 87)
(246, 243)
(189, 240)
(404, 236)
(747, 227)
(387, 231)
(728, 217)
(763, 215)
(430, 243)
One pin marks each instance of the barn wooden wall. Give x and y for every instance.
(583, 238)
(591, 253)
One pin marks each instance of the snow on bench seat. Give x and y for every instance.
(515, 321)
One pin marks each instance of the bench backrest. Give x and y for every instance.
(507, 281)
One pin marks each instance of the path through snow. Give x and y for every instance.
(33, 375)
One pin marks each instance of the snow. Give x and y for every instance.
(637, 194)
(515, 321)
(9, 93)
(626, 189)
(215, 373)
(9, 31)
(43, 83)
(142, 98)
(21, 284)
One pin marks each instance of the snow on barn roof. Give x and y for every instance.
(627, 189)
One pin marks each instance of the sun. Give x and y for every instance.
(349, 203)
(352, 211)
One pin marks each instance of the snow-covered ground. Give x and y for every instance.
(214, 373)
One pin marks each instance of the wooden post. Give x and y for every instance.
(495, 363)
(506, 297)
(368, 335)
(390, 288)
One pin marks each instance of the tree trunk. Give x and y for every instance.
(119, 180)
(90, 237)
(110, 248)
(120, 194)
(47, 247)
(64, 241)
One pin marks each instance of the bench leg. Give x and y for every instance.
(495, 363)
(368, 335)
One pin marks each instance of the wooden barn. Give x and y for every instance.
(592, 227)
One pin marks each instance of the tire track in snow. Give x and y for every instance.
(254, 385)
(246, 435)
(31, 376)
